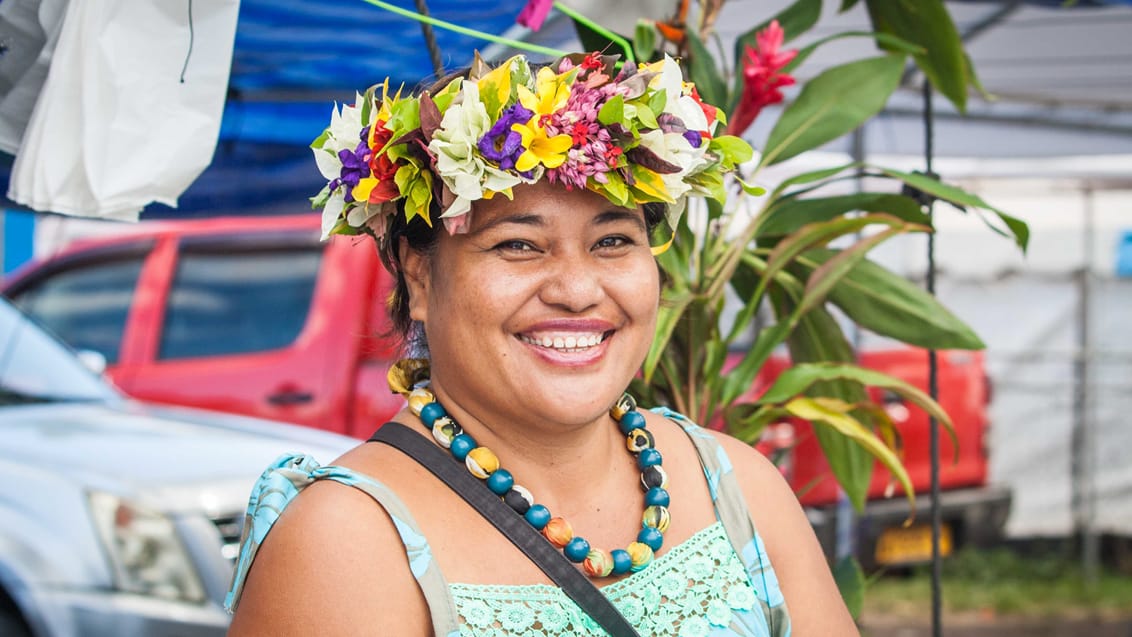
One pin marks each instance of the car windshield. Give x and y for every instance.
(35, 367)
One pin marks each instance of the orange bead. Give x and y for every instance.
(558, 531)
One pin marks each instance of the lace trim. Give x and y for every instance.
(693, 589)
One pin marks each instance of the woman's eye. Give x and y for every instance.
(514, 245)
(614, 241)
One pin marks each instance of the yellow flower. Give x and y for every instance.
(551, 92)
(549, 151)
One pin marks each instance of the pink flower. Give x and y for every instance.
(534, 14)
(761, 77)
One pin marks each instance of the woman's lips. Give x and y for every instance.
(571, 345)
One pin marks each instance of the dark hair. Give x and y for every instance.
(422, 238)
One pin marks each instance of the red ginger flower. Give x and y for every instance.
(761, 77)
(534, 14)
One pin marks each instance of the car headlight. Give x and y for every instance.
(145, 550)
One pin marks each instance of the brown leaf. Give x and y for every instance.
(645, 157)
(430, 116)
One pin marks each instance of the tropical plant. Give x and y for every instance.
(773, 247)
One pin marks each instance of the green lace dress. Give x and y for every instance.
(717, 583)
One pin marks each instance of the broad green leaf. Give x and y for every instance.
(1018, 228)
(703, 72)
(751, 189)
(890, 305)
(644, 39)
(838, 415)
(817, 234)
(832, 104)
(818, 337)
(812, 176)
(613, 111)
(732, 150)
(739, 379)
(787, 215)
(800, 377)
(927, 23)
(891, 42)
(848, 575)
(647, 117)
(830, 273)
(746, 421)
(668, 316)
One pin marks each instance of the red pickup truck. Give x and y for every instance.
(255, 315)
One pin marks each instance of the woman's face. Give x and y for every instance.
(544, 310)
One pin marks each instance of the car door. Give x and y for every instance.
(233, 331)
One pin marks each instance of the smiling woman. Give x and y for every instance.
(538, 301)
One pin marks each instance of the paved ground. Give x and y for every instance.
(973, 627)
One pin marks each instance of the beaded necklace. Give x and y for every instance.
(483, 464)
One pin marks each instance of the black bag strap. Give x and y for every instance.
(560, 571)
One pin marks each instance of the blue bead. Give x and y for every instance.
(656, 497)
(621, 561)
(537, 516)
(652, 537)
(461, 446)
(648, 458)
(630, 421)
(576, 549)
(430, 412)
(500, 482)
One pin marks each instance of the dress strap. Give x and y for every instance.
(278, 486)
(732, 512)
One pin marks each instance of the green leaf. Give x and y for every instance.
(890, 42)
(644, 39)
(751, 189)
(927, 23)
(830, 273)
(1017, 228)
(703, 72)
(832, 104)
(732, 150)
(888, 304)
(847, 5)
(850, 578)
(798, 378)
(747, 421)
(739, 379)
(658, 101)
(788, 215)
(669, 315)
(837, 414)
(612, 112)
(812, 176)
(818, 337)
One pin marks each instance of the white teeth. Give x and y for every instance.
(565, 343)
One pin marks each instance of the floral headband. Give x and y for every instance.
(635, 136)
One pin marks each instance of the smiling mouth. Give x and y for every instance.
(566, 343)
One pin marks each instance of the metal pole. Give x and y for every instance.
(1081, 443)
(933, 391)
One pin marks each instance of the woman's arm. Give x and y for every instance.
(333, 564)
(812, 598)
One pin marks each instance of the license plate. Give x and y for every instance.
(898, 545)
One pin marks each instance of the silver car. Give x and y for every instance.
(117, 517)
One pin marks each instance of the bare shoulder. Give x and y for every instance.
(816, 607)
(331, 564)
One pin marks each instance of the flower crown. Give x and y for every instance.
(638, 135)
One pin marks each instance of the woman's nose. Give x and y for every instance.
(573, 282)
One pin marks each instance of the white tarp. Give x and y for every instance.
(130, 110)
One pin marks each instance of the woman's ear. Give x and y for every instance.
(415, 268)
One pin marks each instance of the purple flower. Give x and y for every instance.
(355, 167)
(694, 138)
(501, 144)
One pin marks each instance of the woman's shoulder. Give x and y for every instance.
(333, 557)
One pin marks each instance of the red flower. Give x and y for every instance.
(382, 168)
(761, 77)
(534, 14)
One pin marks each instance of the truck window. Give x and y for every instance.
(236, 302)
(85, 305)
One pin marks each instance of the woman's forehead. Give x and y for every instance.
(545, 204)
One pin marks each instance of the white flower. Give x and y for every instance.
(674, 148)
(344, 132)
(457, 160)
(332, 210)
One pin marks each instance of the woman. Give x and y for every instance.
(538, 305)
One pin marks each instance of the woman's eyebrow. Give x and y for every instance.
(613, 216)
(517, 219)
